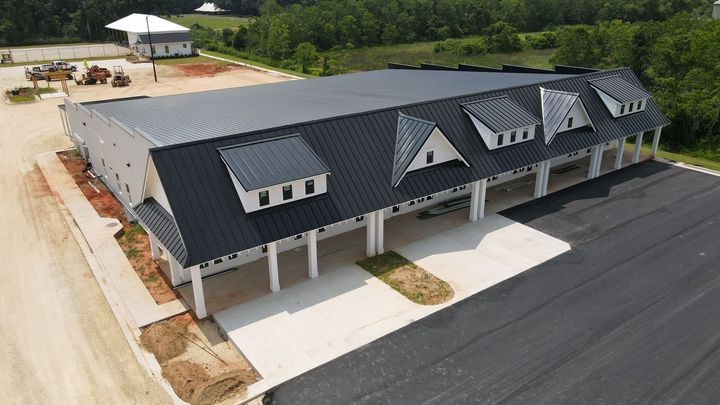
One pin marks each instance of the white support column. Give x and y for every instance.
(546, 178)
(598, 160)
(638, 144)
(593, 162)
(154, 251)
(273, 266)
(176, 271)
(620, 152)
(474, 200)
(481, 199)
(380, 232)
(370, 225)
(312, 254)
(198, 292)
(539, 181)
(656, 140)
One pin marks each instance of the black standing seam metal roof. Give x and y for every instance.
(165, 38)
(556, 106)
(619, 89)
(162, 225)
(270, 162)
(500, 114)
(412, 133)
(359, 150)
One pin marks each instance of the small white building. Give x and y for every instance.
(168, 39)
(209, 8)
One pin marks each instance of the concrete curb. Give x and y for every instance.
(274, 72)
(130, 330)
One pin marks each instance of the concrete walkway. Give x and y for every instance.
(99, 233)
(303, 326)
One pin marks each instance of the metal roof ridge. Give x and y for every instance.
(238, 145)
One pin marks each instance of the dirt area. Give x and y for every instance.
(202, 367)
(207, 69)
(134, 241)
(408, 279)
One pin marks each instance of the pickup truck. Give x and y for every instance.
(62, 65)
(47, 72)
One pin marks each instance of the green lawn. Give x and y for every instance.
(258, 64)
(189, 60)
(687, 157)
(377, 57)
(217, 22)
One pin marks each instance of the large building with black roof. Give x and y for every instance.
(221, 178)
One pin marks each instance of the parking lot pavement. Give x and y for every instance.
(630, 314)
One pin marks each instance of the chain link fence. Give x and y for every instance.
(24, 55)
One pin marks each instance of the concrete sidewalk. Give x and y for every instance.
(306, 325)
(99, 233)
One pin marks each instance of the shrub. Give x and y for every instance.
(465, 46)
(543, 40)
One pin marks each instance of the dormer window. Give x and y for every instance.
(495, 117)
(274, 171)
(570, 122)
(631, 107)
(562, 111)
(622, 109)
(429, 156)
(620, 96)
(639, 104)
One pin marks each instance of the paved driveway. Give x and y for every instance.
(630, 315)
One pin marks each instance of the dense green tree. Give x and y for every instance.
(502, 37)
(305, 56)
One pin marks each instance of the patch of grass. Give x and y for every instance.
(217, 22)
(46, 90)
(377, 57)
(21, 99)
(132, 252)
(706, 160)
(256, 63)
(408, 279)
(189, 60)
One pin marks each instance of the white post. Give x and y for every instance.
(370, 225)
(546, 178)
(593, 162)
(481, 199)
(620, 152)
(474, 200)
(198, 292)
(273, 267)
(380, 231)
(154, 251)
(312, 254)
(539, 180)
(636, 151)
(656, 141)
(598, 160)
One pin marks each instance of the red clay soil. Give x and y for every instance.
(133, 240)
(205, 69)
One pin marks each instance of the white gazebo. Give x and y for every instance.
(210, 8)
(168, 39)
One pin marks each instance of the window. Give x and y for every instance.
(264, 249)
(360, 218)
(396, 208)
(204, 265)
(309, 186)
(184, 45)
(631, 107)
(218, 261)
(462, 187)
(513, 135)
(233, 256)
(500, 140)
(639, 105)
(622, 109)
(411, 203)
(429, 156)
(287, 192)
(526, 133)
(298, 237)
(454, 190)
(264, 198)
(152, 49)
(167, 49)
(321, 230)
(570, 121)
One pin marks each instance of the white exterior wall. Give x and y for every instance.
(124, 151)
(579, 116)
(615, 108)
(251, 199)
(154, 187)
(174, 49)
(443, 152)
(491, 138)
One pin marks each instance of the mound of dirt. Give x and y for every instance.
(204, 69)
(185, 377)
(223, 386)
(165, 339)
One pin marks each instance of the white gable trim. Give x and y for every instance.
(452, 154)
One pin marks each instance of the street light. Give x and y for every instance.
(152, 54)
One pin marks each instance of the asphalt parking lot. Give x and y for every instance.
(630, 315)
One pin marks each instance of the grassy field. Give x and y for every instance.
(189, 60)
(689, 157)
(377, 57)
(258, 64)
(217, 22)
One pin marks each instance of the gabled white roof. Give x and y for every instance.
(212, 8)
(138, 24)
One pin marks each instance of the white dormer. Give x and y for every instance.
(619, 96)
(420, 144)
(501, 122)
(275, 171)
(562, 111)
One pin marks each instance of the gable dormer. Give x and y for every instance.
(619, 96)
(501, 122)
(420, 144)
(562, 111)
(275, 171)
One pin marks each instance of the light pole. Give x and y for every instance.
(152, 54)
